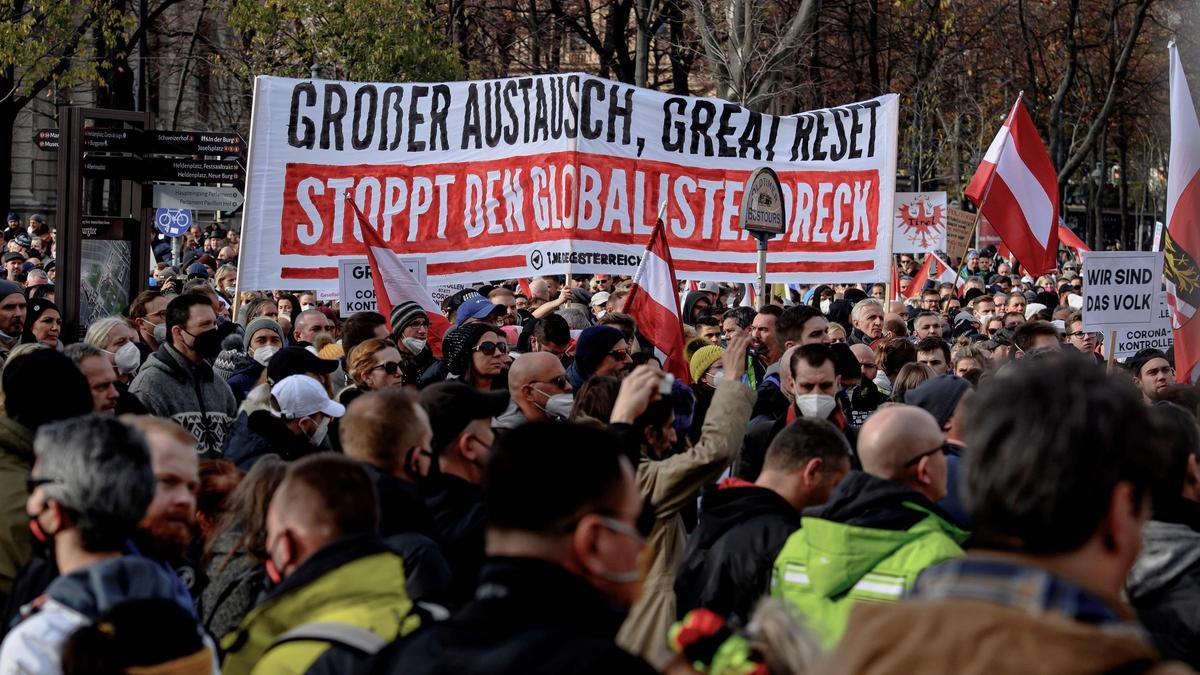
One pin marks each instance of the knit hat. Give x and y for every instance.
(8, 288)
(592, 346)
(703, 359)
(406, 313)
(258, 324)
(939, 396)
(332, 351)
(458, 343)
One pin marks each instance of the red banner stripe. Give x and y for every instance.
(498, 262)
(774, 267)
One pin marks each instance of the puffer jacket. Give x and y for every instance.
(1164, 583)
(356, 582)
(868, 542)
(188, 394)
(672, 484)
(727, 563)
(16, 459)
(77, 599)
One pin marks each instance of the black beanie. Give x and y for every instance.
(44, 386)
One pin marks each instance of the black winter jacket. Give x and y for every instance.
(259, 434)
(1164, 583)
(529, 617)
(727, 563)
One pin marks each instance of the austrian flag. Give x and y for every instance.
(654, 305)
(1181, 243)
(1016, 188)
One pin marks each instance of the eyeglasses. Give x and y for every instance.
(619, 354)
(560, 382)
(490, 348)
(32, 483)
(913, 462)
(390, 367)
(1078, 333)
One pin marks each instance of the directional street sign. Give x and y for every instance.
(197, 197)
(192, 143)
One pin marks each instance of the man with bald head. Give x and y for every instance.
(309, 324)
(533, 380)
(329, 570)
(879, 529)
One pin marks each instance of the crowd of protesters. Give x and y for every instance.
(956, 483)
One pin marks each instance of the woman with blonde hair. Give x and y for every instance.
(374, 364)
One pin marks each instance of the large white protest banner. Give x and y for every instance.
(920, 222)
(1121, 289)
(537, 175)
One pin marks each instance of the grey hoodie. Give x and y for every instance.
(1168, 550)
(171, 386)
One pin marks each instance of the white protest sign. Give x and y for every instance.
(357, 290)
(1120, 289)
(920, 222)
(1157, 334)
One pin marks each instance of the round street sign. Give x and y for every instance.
(173, 222)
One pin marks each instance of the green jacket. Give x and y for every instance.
(16, 459)
(868, 542)
(355, 581)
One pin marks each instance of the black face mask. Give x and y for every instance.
(207, 344)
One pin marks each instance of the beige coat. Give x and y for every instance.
(970, 637)
(671, 484)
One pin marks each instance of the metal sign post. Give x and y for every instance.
(764, 216)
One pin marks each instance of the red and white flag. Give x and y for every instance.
(1016, 188)
(653, 304)
(1181, 241)
(1070, 239)
(395, 284)
(897, 285)
(934, 268)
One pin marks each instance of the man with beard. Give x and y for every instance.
(12, 316)
(166, 531)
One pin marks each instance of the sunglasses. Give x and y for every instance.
(32, 483)
(391, 367)
(490, 348)
(913, 462)
(619, 354)
(560, 382)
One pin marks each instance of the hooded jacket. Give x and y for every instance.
(868, 542)
(77, 599)
(529, 616)
(671, 485)
(689, 303)
(16, 460)
(727, 563)
(355, 581)
(1164, 583)
(188, 394)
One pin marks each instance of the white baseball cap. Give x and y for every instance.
(300, 396)
(709, 287)
(600, 298)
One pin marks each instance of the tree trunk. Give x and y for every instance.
(680, 63)
(8, 119)
(1123, 155)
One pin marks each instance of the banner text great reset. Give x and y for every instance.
(529, 176)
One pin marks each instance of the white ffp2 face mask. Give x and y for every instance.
(127, 359)
(825, 305)
(263, 354)
(815, 406)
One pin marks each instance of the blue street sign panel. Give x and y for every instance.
(173, 222)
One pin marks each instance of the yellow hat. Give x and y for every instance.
(703, 359)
